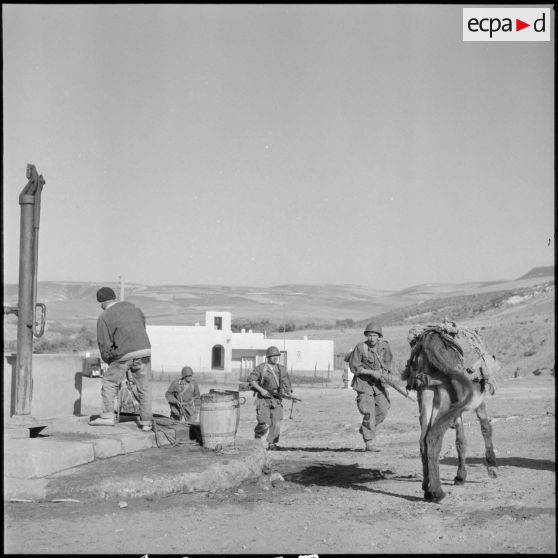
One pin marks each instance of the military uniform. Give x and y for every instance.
(186, 395)
(372, 397)
(269, 411)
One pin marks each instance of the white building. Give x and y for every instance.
(214, 347)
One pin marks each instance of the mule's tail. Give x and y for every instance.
(446, 358)
(464, 390)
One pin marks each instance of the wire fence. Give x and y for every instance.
(298, 377)
(314, 377)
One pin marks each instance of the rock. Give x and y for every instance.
(122, 504)
(276, 477)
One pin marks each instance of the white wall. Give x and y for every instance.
(173, 347)
(305, 354)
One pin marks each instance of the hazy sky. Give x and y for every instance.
(271, 144)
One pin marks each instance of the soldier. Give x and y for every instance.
(370, 362)
(269, 380)
(184, 397)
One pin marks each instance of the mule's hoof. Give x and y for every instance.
(458, 481)
(492, 473)
(434, 496)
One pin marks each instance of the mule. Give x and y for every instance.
(444, 392)
(482, 372)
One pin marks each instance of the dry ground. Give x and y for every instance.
(335, 498)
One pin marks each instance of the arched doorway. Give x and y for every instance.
(218, 357)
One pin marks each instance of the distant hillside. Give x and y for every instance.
(517, 317)
(547, 271)
(464, 307)
(73, 304)
(185, 305)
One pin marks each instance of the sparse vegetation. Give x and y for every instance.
(457, 307)
(60, 339)
(517, 325)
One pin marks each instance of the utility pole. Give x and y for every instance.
(284, 325)
(121, 287)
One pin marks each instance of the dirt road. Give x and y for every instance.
(335, 498)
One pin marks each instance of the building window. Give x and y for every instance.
(218, 357)
(218, 322)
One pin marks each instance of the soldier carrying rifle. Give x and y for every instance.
(370, 362)
(271, 383)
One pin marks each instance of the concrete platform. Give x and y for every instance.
(70, 459)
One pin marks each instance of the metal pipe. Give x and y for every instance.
(26, 302)
(36, 221)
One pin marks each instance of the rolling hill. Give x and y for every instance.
(74, 303)
(516, 316)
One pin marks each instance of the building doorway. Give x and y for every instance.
(218, 357)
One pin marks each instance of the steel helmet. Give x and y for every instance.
(272, 351)
(187, 371)
(373, 327)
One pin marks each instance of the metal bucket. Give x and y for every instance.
(219, 418)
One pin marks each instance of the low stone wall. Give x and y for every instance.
(57, 385)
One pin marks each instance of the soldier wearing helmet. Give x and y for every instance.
(370, 362)
(184, 397)
(269, 380)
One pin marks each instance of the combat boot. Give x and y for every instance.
(105, 419)
(369, 446)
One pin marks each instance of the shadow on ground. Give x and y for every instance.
(351, 477)
(523, 462)
(310, 449)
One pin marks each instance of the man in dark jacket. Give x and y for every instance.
(269, 380)
(370, 362)
(124, 346)
(184, 397)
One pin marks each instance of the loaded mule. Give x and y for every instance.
(446, 388)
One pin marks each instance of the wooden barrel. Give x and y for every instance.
(219, 416)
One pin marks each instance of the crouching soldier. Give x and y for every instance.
(184, 397)
(370, 362)
(270, 381)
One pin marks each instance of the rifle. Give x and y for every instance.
(182, 412)
(397, 388)
(292, 398)
(389, 382)
(284, 396)
(244, 386)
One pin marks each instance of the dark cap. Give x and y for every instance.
(187, 371)
(105, 293)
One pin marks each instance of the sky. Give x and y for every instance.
(262, 145)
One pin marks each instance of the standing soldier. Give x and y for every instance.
(184, 397)
(270, 380)
(370, 363)
(124, 345)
